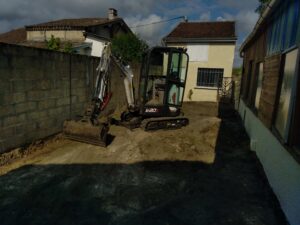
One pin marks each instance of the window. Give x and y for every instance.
(295, 140)
(155, 89)
(286, 95)
(247, 81)
(296, 122)
(183, 67)
(175, 95)
(177, 79)
(174, 69)
(282, 31)
(197, 52)
(259, 74)
(208, 77)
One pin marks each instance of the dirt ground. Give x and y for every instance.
(201, 174)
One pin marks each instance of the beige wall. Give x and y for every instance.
(71, 35)
(219, 56)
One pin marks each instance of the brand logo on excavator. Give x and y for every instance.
(151, 110)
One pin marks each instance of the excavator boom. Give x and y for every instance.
(89, 129)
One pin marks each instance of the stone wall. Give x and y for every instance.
(39, 89)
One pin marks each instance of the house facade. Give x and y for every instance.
(270, 99)
(210, 46)
(87, 35)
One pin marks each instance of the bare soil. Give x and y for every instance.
(201, 174)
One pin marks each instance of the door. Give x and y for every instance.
(176, 78)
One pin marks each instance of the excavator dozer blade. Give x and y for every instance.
(83, 131)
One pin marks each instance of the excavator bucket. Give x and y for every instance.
(85, 131)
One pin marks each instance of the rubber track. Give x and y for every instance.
(164, 123)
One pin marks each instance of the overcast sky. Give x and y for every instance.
(17, 13)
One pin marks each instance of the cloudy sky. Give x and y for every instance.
(17, 13)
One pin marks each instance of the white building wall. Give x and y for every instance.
(97, 46)
(281, 168)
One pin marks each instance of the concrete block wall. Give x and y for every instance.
(39, 89)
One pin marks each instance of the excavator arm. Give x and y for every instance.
(88, 129)
(102, 94)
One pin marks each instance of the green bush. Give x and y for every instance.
(68, 48)
(129, 47)
(53, 43)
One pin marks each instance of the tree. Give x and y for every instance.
(53, 43)
(129, 47)
(262, 6)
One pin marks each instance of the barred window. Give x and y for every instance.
(210, 77)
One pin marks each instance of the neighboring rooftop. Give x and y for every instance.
(20, 36)
(14, 36)
(70, 24)
(187, 31)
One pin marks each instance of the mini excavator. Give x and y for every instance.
(159, 99)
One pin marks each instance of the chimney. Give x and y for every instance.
(112, 13)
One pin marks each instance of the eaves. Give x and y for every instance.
(200, 40)
(261, 21)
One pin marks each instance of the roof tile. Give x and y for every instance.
(203, 30)
(14, 36)
(71, 23)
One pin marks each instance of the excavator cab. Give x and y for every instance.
(162, 82)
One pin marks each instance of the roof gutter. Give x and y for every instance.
(200, 40)
(265, 14)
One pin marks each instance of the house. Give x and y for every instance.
(87, 35)
(210, 46)
(270, 99)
